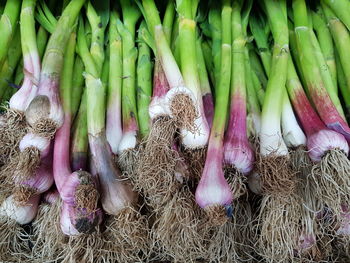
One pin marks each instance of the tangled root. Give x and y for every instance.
(48, 239)
(11, 132)
(279, 222)
(14, 243)
(84, 248)
(236, 237)
(301, 162)
(276, 174)
(176, 231)
(126, 237)
(237, 182)
(195, 157)
(86, 194)
(45, 128)
(184, 112)
(331, 181)
(216, 215)
(154, 175)
(127, 161)
(28, 162)
(22, 194)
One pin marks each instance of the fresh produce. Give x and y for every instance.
(174, 131)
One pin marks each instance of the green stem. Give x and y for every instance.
(342, 83)
(168, 20)
(97, 37)
(341, 39)
(80, 142)
(258, 68)
(208, 59)
(216, 24)
(53, 58)
(326, 43)
(325, 72)
(202, 71)
(78, 85)
(270, 136)
(341, 8)
(129, 105)
(8, 68)
(144, 86)
(67, 75)
(8, 23)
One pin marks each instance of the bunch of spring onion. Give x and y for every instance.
(176, 130)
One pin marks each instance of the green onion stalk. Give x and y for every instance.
(44, 114)
(278, 217)
(325, 100)
(125, 235)
(341, 8)
(13, 57)
(194, 137)
(273, 165)
(327, 147)
(114, 120)
(144, 85)
(325, 40)
(159, 183)
(341, 39)
(291, 131)
(127, 149)
(253, 99)
(258, 69)
(182, 103)
(213, 193)
(80, 214)
(207, 95)
(216, 27)
(238, 153)
(342, 83)
(325, 72)
(79, 142)
(208, 59)
(8, 22)
(41, 40)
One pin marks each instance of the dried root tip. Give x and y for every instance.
(126, 237)
(216, 215)
(184, 112)
(127, 160)
(237, 182)
(301, 162)
(279, 222)
(236, 237)
(22, 194)
(84, 248)
(28, 162)
(48, 240)
(15, 119)
(14, 244)
(330, 180)
(195, 157)
(86, 197)
(176, 231)
(276, 174)
(45, 128)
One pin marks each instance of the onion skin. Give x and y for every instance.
(325, 140)
(213, 188)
